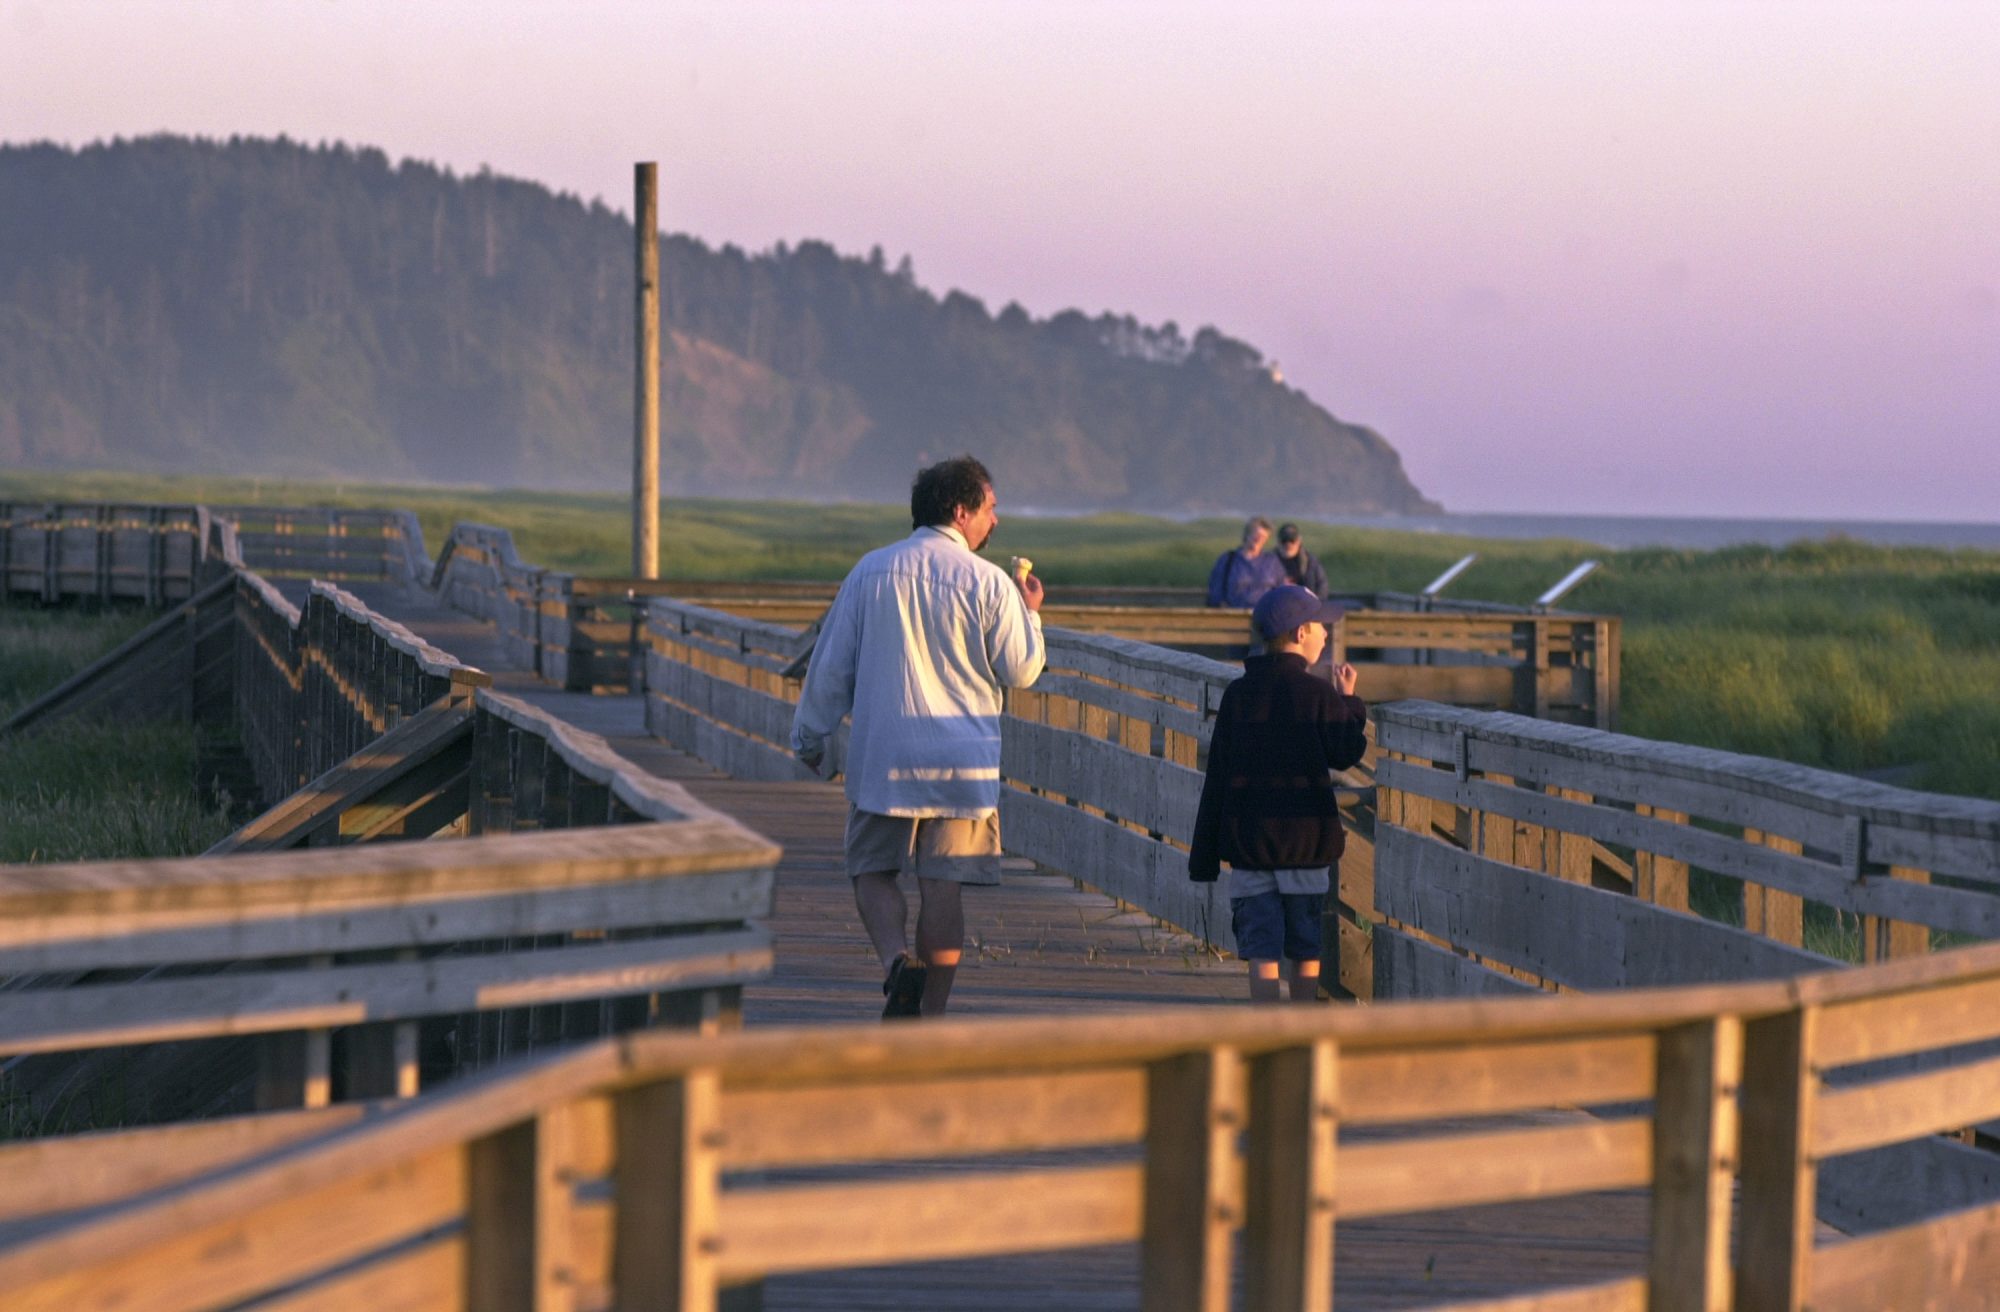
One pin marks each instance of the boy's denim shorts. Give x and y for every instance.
(1273, 925)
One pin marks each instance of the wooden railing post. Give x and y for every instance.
(665, 1241)
(294, 1069)
(1663, 881)
(1699, 1066)
(1289, 1189)
(1194, 1109)
(1773, 912)
(1780, 1178)
(520, 1200)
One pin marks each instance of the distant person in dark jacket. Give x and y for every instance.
(1267, 803)
(1301, 566)
(1244, 574)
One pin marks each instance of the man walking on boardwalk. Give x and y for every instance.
(918, 644)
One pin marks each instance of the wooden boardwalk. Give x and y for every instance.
(1039, 944)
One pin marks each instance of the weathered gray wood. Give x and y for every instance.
(295, 822)
(1821, 881)
(103, 1015)
(1409, 968)
(1121, 701)
(1117, 861)
(1570, 933)
(1808, 805)
(1154, 793)
(696, 898)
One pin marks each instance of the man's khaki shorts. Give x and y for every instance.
(937, 847)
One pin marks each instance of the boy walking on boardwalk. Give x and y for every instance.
(1267, 804)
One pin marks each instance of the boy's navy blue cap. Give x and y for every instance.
(1281, 610)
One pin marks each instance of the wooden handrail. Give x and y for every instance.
(612, 1124)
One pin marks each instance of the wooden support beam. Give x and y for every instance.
(1289, 1190)
(1699, 1066)
(1780, 1178)
(666, 1241)
(520, 1204)
(1194, 1111)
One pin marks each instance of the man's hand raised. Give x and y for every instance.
(1031, 592)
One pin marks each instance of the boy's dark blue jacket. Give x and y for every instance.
(1267, 803)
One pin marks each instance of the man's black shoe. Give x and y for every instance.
(904, 988)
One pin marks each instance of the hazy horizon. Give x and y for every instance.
(1689, 260)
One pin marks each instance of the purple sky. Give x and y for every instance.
(1633, 257)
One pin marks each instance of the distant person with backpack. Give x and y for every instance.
(1301, 566)
(1243, 575)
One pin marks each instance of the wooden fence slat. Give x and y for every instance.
(1289, 1187)
(1890, 1111)
(1950, 1262)
(932, 1118)
(229, 1261)
(667, 1230)
(518, 1223)
(426, 1277)
(1694, 1161)
(1895, 1025)
(1780, 1085)
(1465, 1170)
(828, 1227)
(1486, 1080)
(1624, 1295)
(1192, 1181)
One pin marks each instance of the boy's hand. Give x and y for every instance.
(1344, 676)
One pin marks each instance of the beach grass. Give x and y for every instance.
(1833, 653)
(90, 791)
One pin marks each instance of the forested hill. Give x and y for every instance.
(261, 306)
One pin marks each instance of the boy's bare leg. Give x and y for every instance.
(884, 914)
(1263, 981)
(1305, 980)
(940, 939)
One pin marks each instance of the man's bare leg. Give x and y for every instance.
(940, 939)
(1305, 980)
(885, 914)
(1263, 981)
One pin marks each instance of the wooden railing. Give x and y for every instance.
(326, 543)
(1513, 855)
(656, 1172)
(580, 633)
(583, 632)
(1687, 863)
(145, 553)
(655, 913)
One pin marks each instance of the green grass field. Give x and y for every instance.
(89, 791)
(1834, 653)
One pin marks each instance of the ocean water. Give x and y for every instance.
(1621, 531)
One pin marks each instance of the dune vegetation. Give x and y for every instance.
(89, 791)
(1834, 653)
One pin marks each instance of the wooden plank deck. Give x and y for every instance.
(1040, 944)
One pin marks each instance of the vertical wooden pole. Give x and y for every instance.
(1780, 1178)
(1694, 1164)
(646, 418)
(1193, 1113)
(519, 1217)
(1288, 1205)
(665, 1243)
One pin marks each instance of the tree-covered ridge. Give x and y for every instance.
(265, 306)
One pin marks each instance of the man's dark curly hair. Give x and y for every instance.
(944, 488)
